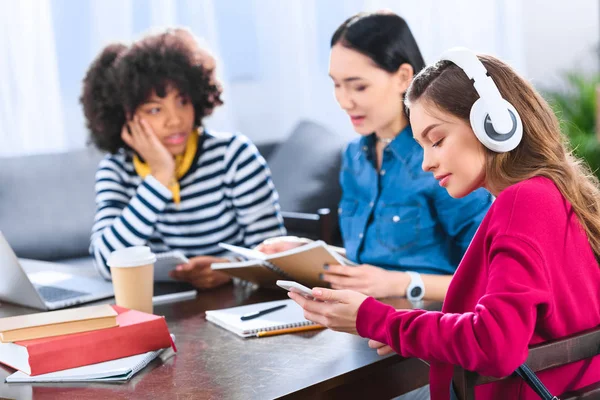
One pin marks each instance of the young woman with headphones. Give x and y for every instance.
(533, 262)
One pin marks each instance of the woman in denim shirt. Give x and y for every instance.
(397, 221)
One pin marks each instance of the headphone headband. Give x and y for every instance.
(495, 121)
(484, 85)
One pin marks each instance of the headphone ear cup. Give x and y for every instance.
(477, 117)
(484, 130)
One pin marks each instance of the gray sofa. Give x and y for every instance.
(47, 201)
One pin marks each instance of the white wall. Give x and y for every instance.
(294, 49)
(558, 36)
(540, 38)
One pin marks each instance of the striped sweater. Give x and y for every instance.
(226, 196)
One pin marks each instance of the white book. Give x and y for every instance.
(291, 316)
(303, 264)
(119, 370)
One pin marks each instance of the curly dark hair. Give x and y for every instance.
(122, 78)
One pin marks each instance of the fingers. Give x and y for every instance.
(301, 300)
(342, 270)
(311, 313)
(316, 318)
(185, 267)
(216, 278)
(276, 246)
(382, 348)
(134, 135)
(182, 273)
(312, 305)
(269, 248)
(205, 261)
(282, 243)
(374, 344)
(146, 128)
(126, 136)
(196, 268)
(189, 271)
(136, 130)
(342, 282)
(329, 295)
(385, 350)
(200, 277)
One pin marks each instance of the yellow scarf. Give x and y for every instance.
(183, 162)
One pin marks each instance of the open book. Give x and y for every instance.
(303, 264)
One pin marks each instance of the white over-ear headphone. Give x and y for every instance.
(495, 121)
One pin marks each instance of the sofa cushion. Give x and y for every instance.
(47, 203)
(266, 149)
(306, 168)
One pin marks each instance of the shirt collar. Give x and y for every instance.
(401, 147)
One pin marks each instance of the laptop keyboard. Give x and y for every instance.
(53, 293)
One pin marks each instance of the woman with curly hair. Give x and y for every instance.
(168, 182)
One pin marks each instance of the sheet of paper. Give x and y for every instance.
(247, 253)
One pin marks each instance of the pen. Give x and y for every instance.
(289, 330)
(261, 312)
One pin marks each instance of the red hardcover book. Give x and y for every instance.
(137, 333)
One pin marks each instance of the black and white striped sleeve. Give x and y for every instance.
(249, 185)
(122, 220)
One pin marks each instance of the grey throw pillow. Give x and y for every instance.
(47, 203)
(306, 168)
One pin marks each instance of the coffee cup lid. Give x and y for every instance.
(131, 257)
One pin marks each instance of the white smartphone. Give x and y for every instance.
(165, 263)
(296, 288)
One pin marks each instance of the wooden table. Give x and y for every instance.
(213, 363)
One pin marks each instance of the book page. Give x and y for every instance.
(306, 266)
(246, 253)
(252, 271)
(118, 370)
(303, 264)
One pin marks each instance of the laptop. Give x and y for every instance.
(45, 289)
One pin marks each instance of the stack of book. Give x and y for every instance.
(81, 344)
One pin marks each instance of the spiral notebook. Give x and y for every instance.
(230, 318)
(302, 264)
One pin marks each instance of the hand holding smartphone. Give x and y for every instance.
(296, 288)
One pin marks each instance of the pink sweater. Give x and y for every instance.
(528, 276)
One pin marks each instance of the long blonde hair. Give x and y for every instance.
(543, 151)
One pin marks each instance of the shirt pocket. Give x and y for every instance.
(398, 226)
(346, 213)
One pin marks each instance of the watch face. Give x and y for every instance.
(415, 292)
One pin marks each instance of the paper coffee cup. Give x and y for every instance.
(132, 271)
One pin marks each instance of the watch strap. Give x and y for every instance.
(416, 288)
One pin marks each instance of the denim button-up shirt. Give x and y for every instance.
(401, 218)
